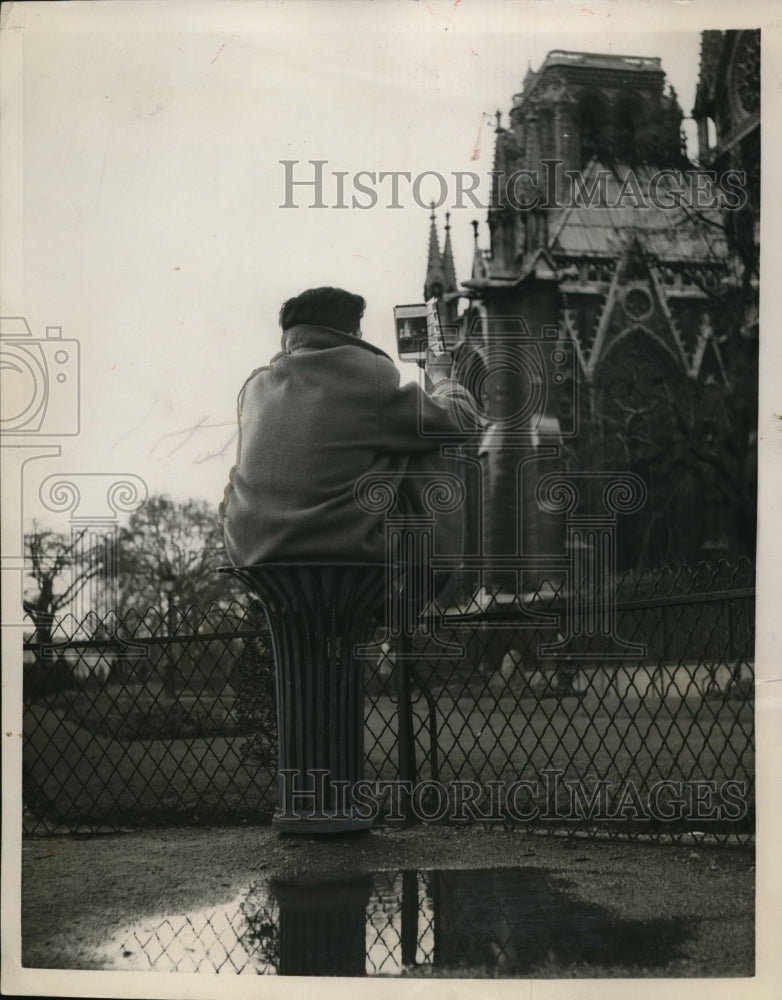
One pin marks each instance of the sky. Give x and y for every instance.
(151, 138)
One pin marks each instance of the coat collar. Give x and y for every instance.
(323, 337)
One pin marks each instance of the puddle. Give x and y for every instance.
(517, 922)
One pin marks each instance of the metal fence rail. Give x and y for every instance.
(144, 727)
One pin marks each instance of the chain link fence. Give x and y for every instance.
(152, 724)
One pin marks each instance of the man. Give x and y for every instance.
(328, 409)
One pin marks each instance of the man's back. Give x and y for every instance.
(326, 411)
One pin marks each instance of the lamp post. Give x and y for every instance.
(168, 583)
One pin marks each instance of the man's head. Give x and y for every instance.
(332, 307)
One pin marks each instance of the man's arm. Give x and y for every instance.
(412, 420)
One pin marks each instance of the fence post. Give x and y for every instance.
(169, 681)
(406, 741)
(409, 932)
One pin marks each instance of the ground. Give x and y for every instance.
(80, 893)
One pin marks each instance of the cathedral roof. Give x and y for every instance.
(604, 60)
(669, 234)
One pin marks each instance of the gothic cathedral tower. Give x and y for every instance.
(609, 268)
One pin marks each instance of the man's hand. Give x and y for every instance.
(466, 363)
(437, 367)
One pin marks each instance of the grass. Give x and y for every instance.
(125, 713)
(138, 757)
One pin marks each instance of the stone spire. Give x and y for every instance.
(449, 270)
(434, 285)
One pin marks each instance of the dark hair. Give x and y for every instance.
(331, 307)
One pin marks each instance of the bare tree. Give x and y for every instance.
(178, 541)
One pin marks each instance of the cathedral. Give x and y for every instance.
(613, 317)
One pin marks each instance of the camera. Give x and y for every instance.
(418, 329)
(39, 379)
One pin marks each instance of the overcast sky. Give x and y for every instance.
(152, 184)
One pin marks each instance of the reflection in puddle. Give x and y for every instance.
(493, 922)
(203, 941)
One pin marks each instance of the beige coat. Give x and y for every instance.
(326, 410)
